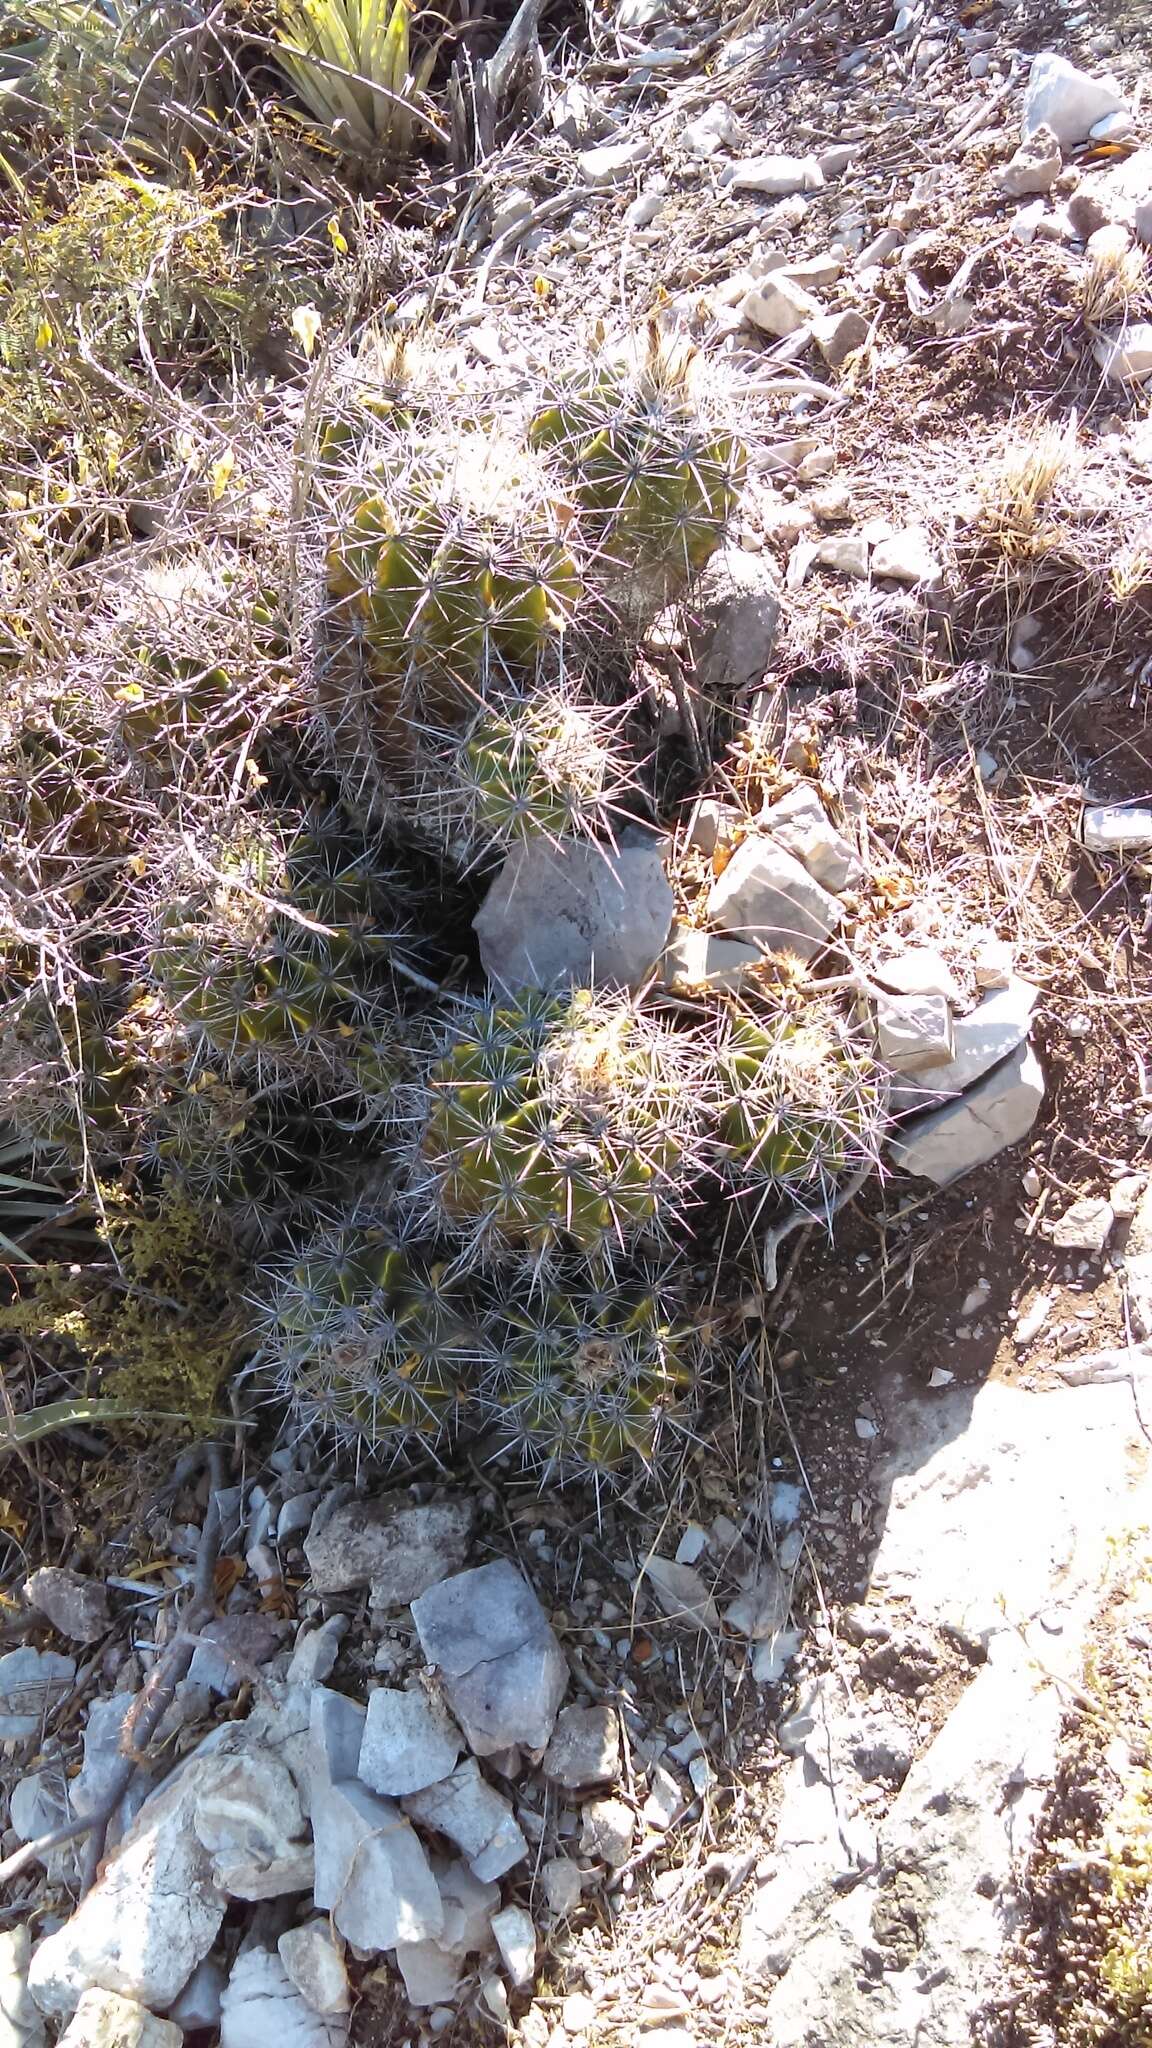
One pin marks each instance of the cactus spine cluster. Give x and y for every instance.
(557, 1122)
(367, 1342)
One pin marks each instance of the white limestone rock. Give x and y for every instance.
(799, 823)
(153, 1915)
(695, 959)
(765, 894)
(914, 1032)
(475, 1817)
(964, 1134)
(105, 2020)
(778, 176)
(998, 1024)
(372, 1872)
(315, 1965)
(409, 1741)
(504, 1673)
(262, 2008)
(577, 914)
(1066, 100)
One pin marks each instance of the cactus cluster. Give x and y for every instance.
(802, 1102)
(557, 1122)
(367, 1341)
(244, 988)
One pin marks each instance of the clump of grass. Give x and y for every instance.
(1017, 501)
(1115, 277)
(356, 70)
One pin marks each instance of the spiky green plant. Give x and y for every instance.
(70, 1083)
(111, 76)
(353, 64)
(283, 955)
(656, 482)
(452, 565)
(367, 1342)
(541, 767)
(587, 1372)
(559, 1122)
(802, 1102)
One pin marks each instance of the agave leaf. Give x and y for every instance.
(40, 1422)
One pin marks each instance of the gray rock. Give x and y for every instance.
(768, 895)
(20, 2023)
(998, 1112)
(32, 1682)
(261, 2008)
(431, 1975)
(1117, 828)
(998, 1024)
(247, 1814)
(103, 2019)
(1035, 167)
(715, 129)
(316, 1650)
(607, 1831)
(386, 1543)
(372, 1874)
(232, 1648)
(1085, 1226)
(39, 1803)
(585, 1748)
(800, 824)
(335, 1735)
(516, 1941)
(469, 1903)
(701, 960)
(1125, 357)
(315, 1966)
(736, 613)
(75, 1606)
(760, 1611)
(914, 1032)
(778, 306)
(504, 1672)
(409, 1742)
(1067, 101)
(198, 2005)
(839, 335)
(153, 1915)
(475, 1817)
(611, 163)
(666, 1799)
(103, 1732)
(577, 913)
(906, 557)
(777, 176)
(920, 971)
(577, 117)
(561, 1884)
(1120, 197)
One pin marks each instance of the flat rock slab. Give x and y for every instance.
(372, 1872)
(475, 1817)
(1002, 1510)
(386, 1543)
(409, 1741)
(577, 915)
(767, 895)
(736, 613)
(981, 1040)
(800, 824)
(996, 1113)
(504, 1671)
(32, 1682)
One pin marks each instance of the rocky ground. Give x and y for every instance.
(841, 1735)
